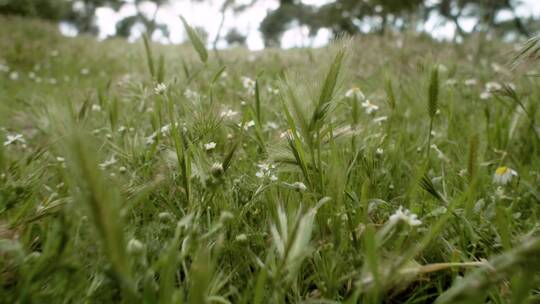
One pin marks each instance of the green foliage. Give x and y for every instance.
(137, 174)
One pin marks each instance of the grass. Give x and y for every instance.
(216, 188)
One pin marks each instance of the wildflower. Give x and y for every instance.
(111, 161)
(31, 75)
(273, 91)
(14, 76)
(271, 126)
(210, 146)
(192, 95)
(369, 107)
(249, 85)
(266, 170)
(12, 139)
(85, 71)
(355, 93)
(4, 68)
(60, 159)
(493, 86)
(122, 169)
(160, 88)
(165, 216)
(122, 129)
(249, 124)
(485, 95)
(96, 108)
(503, 175)
(135, 246)
(470, 82)
(405, 215)
(299, 186)
(380, 119)
(379, 151)
(241, 238)
(228, 113)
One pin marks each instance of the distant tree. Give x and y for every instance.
(44, 9)
(234, 37)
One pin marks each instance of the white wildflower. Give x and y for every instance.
(406, 216)
(249, 85)
(369, 107)
(355, 93)
(85, 71)
(209, 146)
(503, 175)
(485, 95)
(96, 108)
(493, 86)
(228, 113)
(14, 76)
(160, 88)
(12, 139)
(299, 186)
(135, 246)
(111, 161)
(249, 124)
(191, 95)
(470, 82)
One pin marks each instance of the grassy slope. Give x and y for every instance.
(67, 228)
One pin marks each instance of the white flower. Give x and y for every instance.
(60, 159)
(266, 170)
(4, 68)
(470, 82)
(160, 88)
(379, 151)
(369, 107)
(85, 71)
(209, 146)
(135, 246)
(12, 139)
(249, 124)
(96, 108)
(14, 76)
(485, 95)
(192, 95)
(355, 93)
(503, 175)
(380, 119)
(241, 238)
(493, 86)
(111, 161)
(299, 185)
(271, 126)
(228, 113)
(405, 215)
(249, 85)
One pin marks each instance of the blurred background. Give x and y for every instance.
(257, 24)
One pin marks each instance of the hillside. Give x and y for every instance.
(378, 169)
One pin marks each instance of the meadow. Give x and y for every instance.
(389, 169)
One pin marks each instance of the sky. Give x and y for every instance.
(207, 15)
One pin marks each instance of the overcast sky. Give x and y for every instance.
(207, 15)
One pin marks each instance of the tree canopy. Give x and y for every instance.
(339, 16)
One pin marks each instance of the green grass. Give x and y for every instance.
(118, 195)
